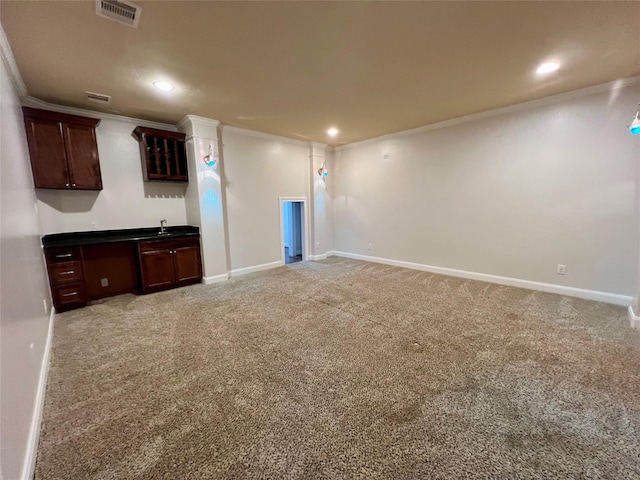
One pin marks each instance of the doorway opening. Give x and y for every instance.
(292, 231)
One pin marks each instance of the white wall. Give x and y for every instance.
(512, 195)
(258, 171)
(23, 287)
(126, 201)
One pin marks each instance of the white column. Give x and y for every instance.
(319, 216)
(204, 196)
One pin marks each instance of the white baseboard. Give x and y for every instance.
(255, 268)
(315, 258)
(606, 297)
(634, 321)
(215, 279)
(29, 466)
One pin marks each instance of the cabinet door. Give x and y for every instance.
(47, 153)
(187, 265)
(156, 268)
(82, 157)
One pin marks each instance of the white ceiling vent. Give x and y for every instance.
(98, 98)
(120, 11)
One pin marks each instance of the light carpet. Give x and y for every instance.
(343, 369)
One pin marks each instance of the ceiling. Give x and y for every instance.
(297, 68)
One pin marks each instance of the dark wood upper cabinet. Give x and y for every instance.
(164, 155)
(63, 150)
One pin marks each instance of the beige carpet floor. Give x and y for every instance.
(343, 369)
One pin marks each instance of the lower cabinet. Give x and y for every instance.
(66, 277)
(169, 263)
(81, 273)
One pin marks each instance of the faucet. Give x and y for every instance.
(162, 222)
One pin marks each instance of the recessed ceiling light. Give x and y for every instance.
(164, 86)
(547, 67)
(332, 132)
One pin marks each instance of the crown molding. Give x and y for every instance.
(200, 127)
(37, 103)
(269, 136)
(10, 63)
(518, 107)
(210, 122)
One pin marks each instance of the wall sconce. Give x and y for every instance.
(322, 171)
(211, 159)
(634, 128)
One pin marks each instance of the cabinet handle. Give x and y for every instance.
(73, 184)
(67, 185)
(69, 294)
(68, 273)
(64, 255)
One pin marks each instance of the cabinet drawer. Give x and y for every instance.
(169, 244)
(62, 254)
(69, 295)
(65, 272)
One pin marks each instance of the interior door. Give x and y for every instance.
(296, 229)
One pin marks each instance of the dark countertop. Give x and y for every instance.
(110, 236)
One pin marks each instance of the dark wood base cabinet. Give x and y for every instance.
(169, 263)
(66, 277)
(81, 273)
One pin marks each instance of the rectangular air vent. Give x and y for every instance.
(120, 11)
(98, 97)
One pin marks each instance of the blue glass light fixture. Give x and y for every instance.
(634, 128)
(322, 171)
(211, 159)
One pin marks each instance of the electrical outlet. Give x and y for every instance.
(46, 307)
(104, 282)
(371, 246)
(561, 269)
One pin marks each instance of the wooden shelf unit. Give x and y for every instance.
(163, 153)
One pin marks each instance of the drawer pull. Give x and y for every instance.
(65, 255)
(69, 294)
